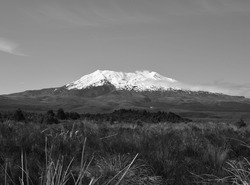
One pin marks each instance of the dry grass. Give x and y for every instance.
(116, 170)
(61, 154)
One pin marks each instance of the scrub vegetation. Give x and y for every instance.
(55, 148)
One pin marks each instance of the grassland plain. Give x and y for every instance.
(98, 153)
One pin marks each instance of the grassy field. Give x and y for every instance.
(98, 153)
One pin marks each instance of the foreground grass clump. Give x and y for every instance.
(59, 154)
(87, 152)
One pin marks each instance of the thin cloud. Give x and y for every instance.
(91, 13)
(222, 87)
(236, 89)
(9, 47)
(226, 5)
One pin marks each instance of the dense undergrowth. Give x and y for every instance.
(89, 152)
(118, 116)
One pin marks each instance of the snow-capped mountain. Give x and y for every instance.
(106, 91)
(137, 81)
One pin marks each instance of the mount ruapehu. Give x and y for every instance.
(106, 91)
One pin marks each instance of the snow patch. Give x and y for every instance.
(139, 81)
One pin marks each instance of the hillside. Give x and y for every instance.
(106, 91)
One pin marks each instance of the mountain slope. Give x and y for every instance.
(106, 91)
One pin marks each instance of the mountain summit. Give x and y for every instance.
(137, 81)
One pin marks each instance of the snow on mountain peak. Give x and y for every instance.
(139, 81)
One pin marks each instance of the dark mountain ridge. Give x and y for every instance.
(107, 98)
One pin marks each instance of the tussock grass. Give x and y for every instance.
(164, 153)
(239, 171)
(59, 165)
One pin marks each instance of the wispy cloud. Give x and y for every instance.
(226, 5)
(222, 87)
(91, 13)
(10, 47)
(235, 89)
(101, 13)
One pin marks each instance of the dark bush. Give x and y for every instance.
(18, 115)
(49, 118)
(241, 123)
(50, 113)
(61, 114)
(129, 115)
(73, 115)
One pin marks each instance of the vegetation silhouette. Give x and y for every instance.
(18, 115)
(118, 116)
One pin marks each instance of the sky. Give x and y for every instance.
(50, 43)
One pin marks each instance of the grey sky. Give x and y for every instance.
(48, 43)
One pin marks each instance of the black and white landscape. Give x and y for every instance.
(124, 92)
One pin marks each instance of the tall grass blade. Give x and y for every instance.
(127, 170)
